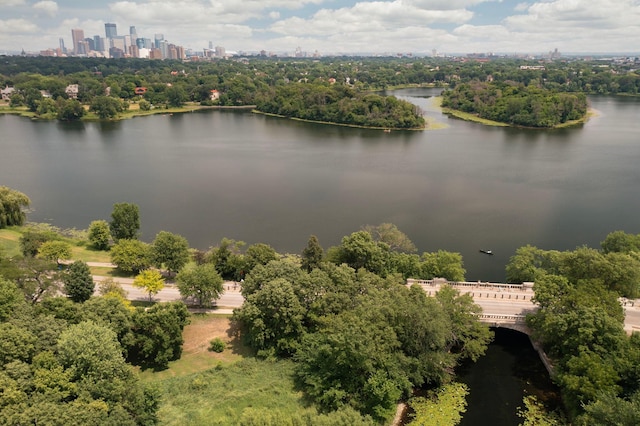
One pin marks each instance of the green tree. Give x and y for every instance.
(442, 264)
(312, 254)
(107, 107)
(259, 254)
(16, 343)
(359, 250)
(78, 282)
(131, 255)
(468, 337)
(170, 250)
(620, 242)
(158, 334)
(201, 282)
(125, 221)
(176, 96)
(31, 240)
(99, 234)
(35, 279)
(274, 317)
(228, 259)
(47, 109)
(389, 234)
(55, 251)
(12, 207)
(609, 409)
(149, 280)
(69, 110)
(10, 299)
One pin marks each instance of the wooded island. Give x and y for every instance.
(516, 104)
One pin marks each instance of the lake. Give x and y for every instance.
(213, 174)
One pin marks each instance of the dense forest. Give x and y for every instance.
(342, 105)
(516, 104)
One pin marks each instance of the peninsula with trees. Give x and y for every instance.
(515, 104)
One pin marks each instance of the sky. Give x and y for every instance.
(337, 26)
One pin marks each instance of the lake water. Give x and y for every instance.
(213, 174)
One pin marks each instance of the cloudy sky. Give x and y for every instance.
(337, 26)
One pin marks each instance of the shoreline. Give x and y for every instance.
(330, 123)
(128, 114)
(466, 116)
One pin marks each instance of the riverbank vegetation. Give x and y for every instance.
(516, 104)
(335, 333)
(302, 314)
(580, 324)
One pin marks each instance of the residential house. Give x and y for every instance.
(72, 91)
(6, 93)
(215, 95)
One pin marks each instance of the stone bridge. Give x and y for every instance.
(503, 305)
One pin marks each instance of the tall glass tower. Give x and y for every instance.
(110, 30)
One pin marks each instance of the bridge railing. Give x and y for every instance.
(469, 284)
(503, 317)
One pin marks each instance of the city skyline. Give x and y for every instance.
(336, 26)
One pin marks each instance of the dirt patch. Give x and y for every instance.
(202, 330)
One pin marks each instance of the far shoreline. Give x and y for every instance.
(466, 116)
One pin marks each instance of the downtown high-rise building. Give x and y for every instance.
(77, 35)
(110, 30)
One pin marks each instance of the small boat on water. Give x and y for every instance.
(489, 252)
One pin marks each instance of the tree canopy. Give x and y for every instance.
(125, 221)
(12, 207)
(516, 104)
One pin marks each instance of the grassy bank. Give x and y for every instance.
(233, 387)
(10, 243)
(133, 111)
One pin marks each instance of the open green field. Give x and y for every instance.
(10, 244)
(10, 241)
(233, 387)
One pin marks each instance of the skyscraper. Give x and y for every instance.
(157, 39)
(110, 30)
(78, 37)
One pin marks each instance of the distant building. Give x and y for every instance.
(140, 91)
(77, 35)
(215, 95)
(6, 93)
(110, 30)
(72, 91)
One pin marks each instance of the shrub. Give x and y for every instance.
(217, 345)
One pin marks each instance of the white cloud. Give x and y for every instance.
(12, 3)
(17, 26)
(47, 6)
(375, 18)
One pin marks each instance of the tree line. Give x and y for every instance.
(340, 104)
(516, 104)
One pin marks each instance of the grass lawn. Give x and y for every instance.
(232, 387)
(195, 355)
(10, 241)
(88, 254)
